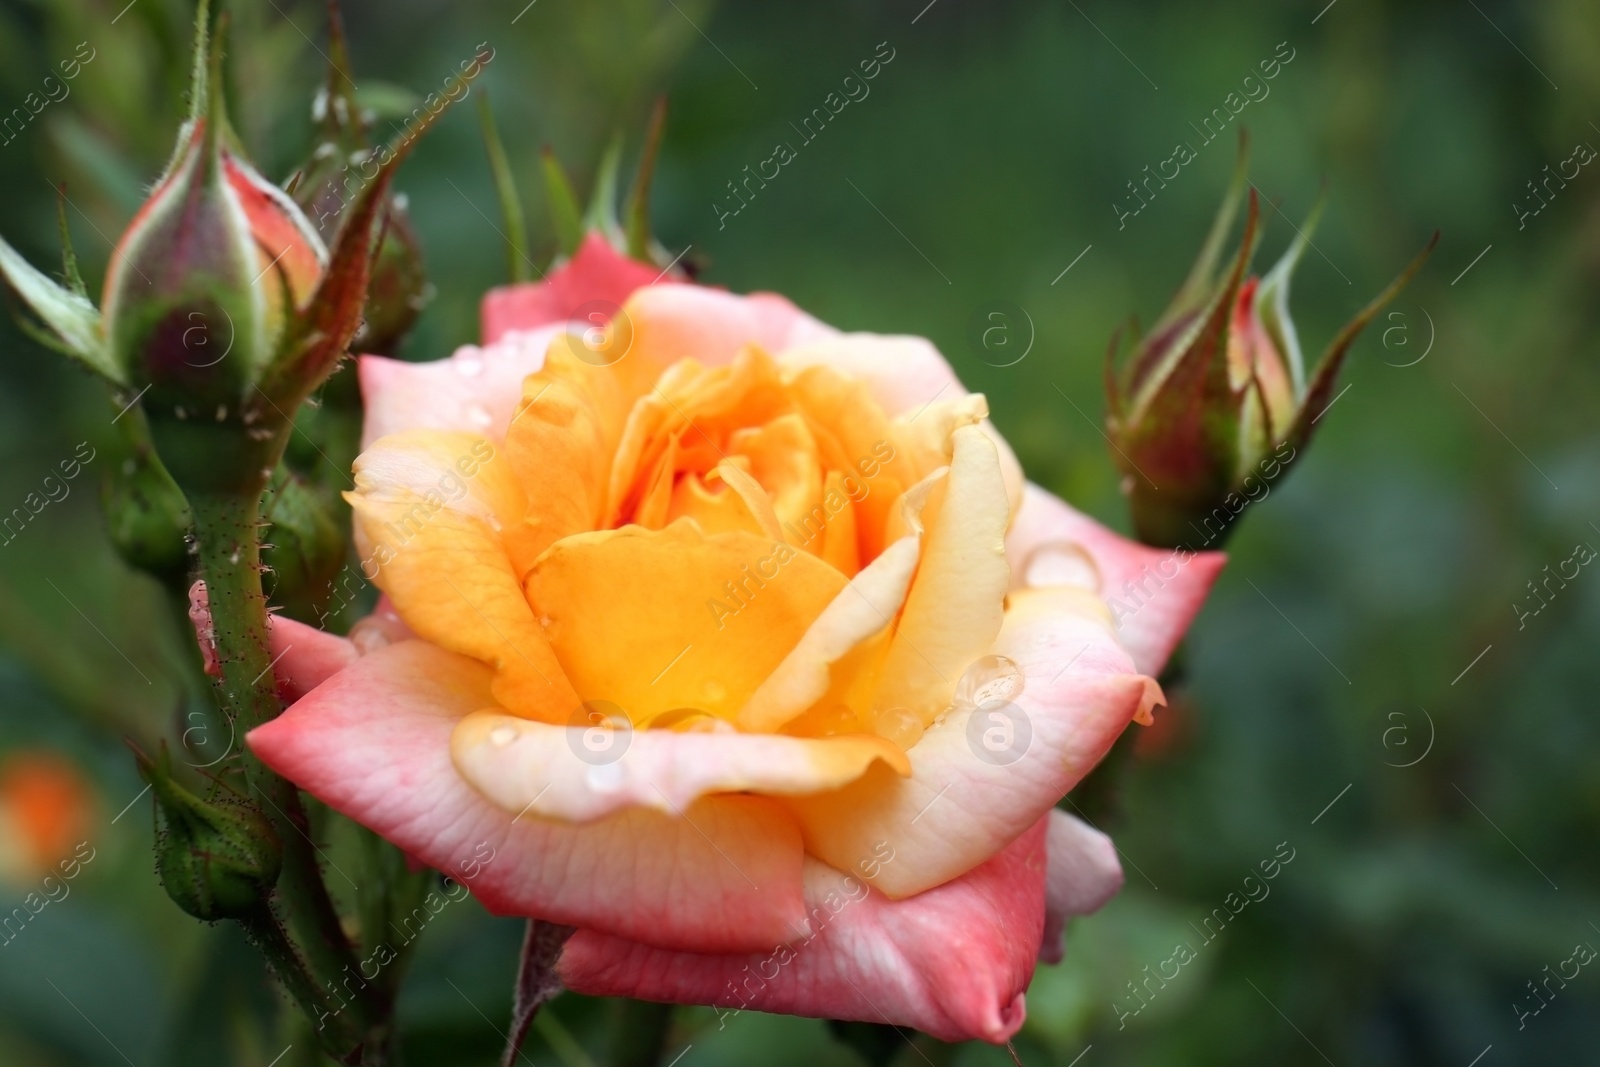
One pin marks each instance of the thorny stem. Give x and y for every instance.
(266, 934)
(537, 982)
(227, 527)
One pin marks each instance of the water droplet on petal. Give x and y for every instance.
(991, 680)
(1061, 563)
(377, 630)
(704, 724)
(501, 736)
(900, 725)
(604, 777)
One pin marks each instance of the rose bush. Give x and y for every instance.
(689, 619)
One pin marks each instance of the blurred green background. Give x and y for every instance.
(988, 156)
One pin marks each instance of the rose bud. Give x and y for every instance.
(203, 280)
(218, 858)
(1215, 403)
(398, 289)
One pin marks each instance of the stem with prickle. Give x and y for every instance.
(227, 528)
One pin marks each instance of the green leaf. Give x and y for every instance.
(72, 320)
(505, 189)
(565, 215)
(637, 212)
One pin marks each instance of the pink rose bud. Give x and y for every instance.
(207, 274)
(1215, 403)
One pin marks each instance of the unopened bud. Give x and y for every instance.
(1213, 404)
(217, 858)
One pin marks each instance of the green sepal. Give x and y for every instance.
(637, 211)
(304, 544)
(602, 213)
(147, 516)
(1320, 390)
(1272, 298)
(69, 259)
(319, 335)
(72, 324)
(565, 215)
(505, 189)
(219, 857)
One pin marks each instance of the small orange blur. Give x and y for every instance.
(46, 805)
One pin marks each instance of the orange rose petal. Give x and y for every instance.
(716, 510)
(373, 742)
(925, 438)
(561, 439)
(437, 514)
(656, 620)
(548, 771)
(839, 541)
(964, 799)
(702, 405)
(754, 498)
(866, 607)
(956, 603)
(844, 414)
(782, 457)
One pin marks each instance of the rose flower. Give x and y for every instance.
(735, 642)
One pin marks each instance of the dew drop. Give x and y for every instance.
(604, 777)
(992, 679)
(501, 736)
(701, 723)
(900, 725)
(1061, 563)
(377, 630)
